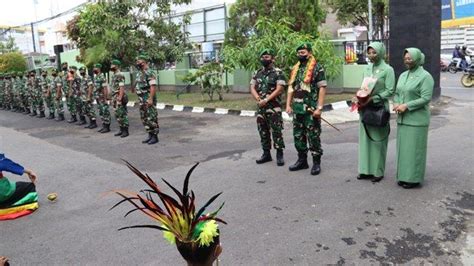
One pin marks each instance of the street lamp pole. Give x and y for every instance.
(371, 31)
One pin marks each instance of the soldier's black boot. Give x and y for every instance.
(119, 133)
(125, 133)
(92, 124)
(27, 110)
(301, 163)
(153, 139)
(105, 128)
(82, 120)
(41, 115)
(73, 119)
(51, 116)
(33, 113)
(316, 169)
(266, 157)
(148, 138)
(280, 160)
(60, 117)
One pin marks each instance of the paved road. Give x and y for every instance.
(275, 217)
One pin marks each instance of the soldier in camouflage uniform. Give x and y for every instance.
(58, 99)
(30, 80)
(44, 84)
(15, 93)
(101, 95)
(79, 98)
(19, 87)
(74, 85)
(68, 93)
(119, 98)
(306, 91)
(51, 95)
(22, 84)
(2, 91)
(8, 95)
(266, 87)
(37, 101)
(87, 89)
(146, 91)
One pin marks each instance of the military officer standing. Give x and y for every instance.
(22, 84)
(8, 91)
(146, 91)
(119, 98)
(79, 97)
(101, 95)
(2, 91)
(45, 82)
(58, 99)
(306, 91)
(87, 89)
(266, 87)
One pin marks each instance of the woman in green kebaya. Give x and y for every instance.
(373, 140)
(411, 103)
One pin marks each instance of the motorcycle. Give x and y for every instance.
(455, 64)
(467, 79)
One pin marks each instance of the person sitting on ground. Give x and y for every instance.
(16, 199)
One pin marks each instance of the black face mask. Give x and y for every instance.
(303, 58)
(44, 76)
(113, 68)
(54, 75)
(83, 73)
(96, 71)
(64, 68)
(265, 62)
(139, 66)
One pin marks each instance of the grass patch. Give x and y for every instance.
(236, 101)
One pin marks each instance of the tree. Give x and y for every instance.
(8, 46)
(280, 36)
(305, 16)
(12, 62)
(122, 29)
(210, 78)
(356, 12)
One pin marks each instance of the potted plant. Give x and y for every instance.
(195, 234)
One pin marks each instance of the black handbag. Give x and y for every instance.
(375, 115)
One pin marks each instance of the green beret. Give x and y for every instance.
(98, 65)
(116, 62)
(82, 69)
(44, 71)
(54, 71)
(267, 51)
(73, 67)
(305, 45)
(142, 56)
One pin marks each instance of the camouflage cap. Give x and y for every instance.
(305, 45)
(267, 51)
(54, 71)
(98, 65)
(44, 71)
(116, 62)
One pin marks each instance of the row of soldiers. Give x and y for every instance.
(32, 94)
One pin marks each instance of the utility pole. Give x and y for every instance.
(33, 36)
(371, 30)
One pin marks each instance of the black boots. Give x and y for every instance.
(33, 113)
(105, 128)
(316, 169)
(92, 124)
(153, 139)
(119, 133)
(266, 157)
(82, 120)
(280, 160)
(60, 117)
(73, 119)
(125, 133)
(147, 139)
(301, 163)
(41, 114)
(51, 116)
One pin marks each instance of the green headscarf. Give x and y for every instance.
(380, 49)
(416, 55)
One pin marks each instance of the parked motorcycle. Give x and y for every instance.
(467, 79)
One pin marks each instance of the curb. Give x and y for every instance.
(247, 113)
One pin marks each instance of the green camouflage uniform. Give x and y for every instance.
(75, 92)
(30, 92)
(99, 85)
(22, 83)
(15, 93)
(148, 114)
(269, 119)
(58, 101)
(45, 92)
(118, 80)
(70, 103)
(87, 107)
(8, 92)
(38, 94)
(307, 129)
